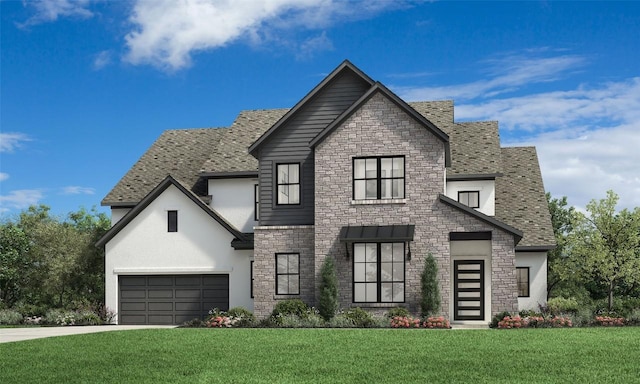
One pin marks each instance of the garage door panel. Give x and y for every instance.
(188, 280)
(170, 299)
(133, 294)
(160, 280)
(134, 306)
(161, 306)
(188, 293)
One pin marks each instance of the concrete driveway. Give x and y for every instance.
(8, 335)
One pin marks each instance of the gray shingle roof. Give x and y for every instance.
(475, 149)
(520, 197)
(178, 153)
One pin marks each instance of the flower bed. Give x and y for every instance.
(607, 321)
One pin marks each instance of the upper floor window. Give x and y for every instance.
(522, 280)
(469, 198)
(376, 178)
(256, 202)
(288, 183)
(172, 221)
(378, 272)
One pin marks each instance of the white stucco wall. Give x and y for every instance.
(117, 214)
(487, 190)
(473, 250)
(201, 246)
(537, 263)
(233, 199)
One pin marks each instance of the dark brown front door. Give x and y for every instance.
(468, 289)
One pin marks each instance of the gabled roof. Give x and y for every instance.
(344, 66)
(520, 198)
(157, 191)
(378, 88)
(517, 234)
(178, 152)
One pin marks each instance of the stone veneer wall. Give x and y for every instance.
(270, 240)
(381, 128)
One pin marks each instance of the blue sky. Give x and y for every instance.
(87, 86)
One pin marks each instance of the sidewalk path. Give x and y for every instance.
(27, 333)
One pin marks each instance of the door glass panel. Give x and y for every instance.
(386, 250)
(469, 285)
(359, 253)
(372, 252)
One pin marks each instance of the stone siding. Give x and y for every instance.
(381, 128)
(281, 239)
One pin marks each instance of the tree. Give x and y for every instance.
(430, 302)
(607, 243)
(14, 245)
(328, 304)
(559, 264)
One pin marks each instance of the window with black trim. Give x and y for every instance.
(251, 273)
(376, 178)
(287, 273)
(469, 198)
(172, 221)
(378, 272)
(288, 183)
(256, 202)
(522, 279)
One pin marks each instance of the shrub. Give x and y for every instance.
(221, 321)
(430, 300)
(559, 322)
(607, 321)
(10, 317)
(30, 309)
(60, 317)
(634, 317)
(436, 322)
(87, 317)
(509, 322)
(498, 318)
(341, 321)
(360, 317)
(560, 305)
(246, 318)
(290, 307)
(328, 304)
(405, 322)
(398, 311)
(193, 323)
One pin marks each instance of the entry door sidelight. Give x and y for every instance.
(468, 290)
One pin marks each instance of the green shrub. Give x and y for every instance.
(30, 309)
(430, 300)
(360, 317)
(295, 307)
(246, 317)
(498, 318)
(193, 323)
(340, 321)
(560, 305)
(58, 316)
(10, 317)
(398, 312)
(622, 306)
(634, 317)
(87, 318)
(328, 304)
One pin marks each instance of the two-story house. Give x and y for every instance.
(246, 215)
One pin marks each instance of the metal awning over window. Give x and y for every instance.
(377, 233)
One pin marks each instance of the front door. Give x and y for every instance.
(468, 289)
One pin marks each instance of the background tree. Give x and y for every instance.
(328, 304)
(430, 301)
(560, 267)
(607, 243)
(14, 245)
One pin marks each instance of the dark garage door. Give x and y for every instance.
(170, 299)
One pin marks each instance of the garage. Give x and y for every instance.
(170, 299)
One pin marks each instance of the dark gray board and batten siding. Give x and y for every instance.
(290, 144)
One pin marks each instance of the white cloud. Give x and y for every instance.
(77, 190)
(101, 60)
(315, 44)
(20, 199)
(11, 141)
(506, 74)
(587, 137)
(50, 10)
(167, 32)
(3, 176)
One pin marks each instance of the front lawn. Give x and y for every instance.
(583, 355)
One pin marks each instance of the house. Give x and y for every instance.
(246, 215)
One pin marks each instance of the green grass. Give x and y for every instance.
(585, 355)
